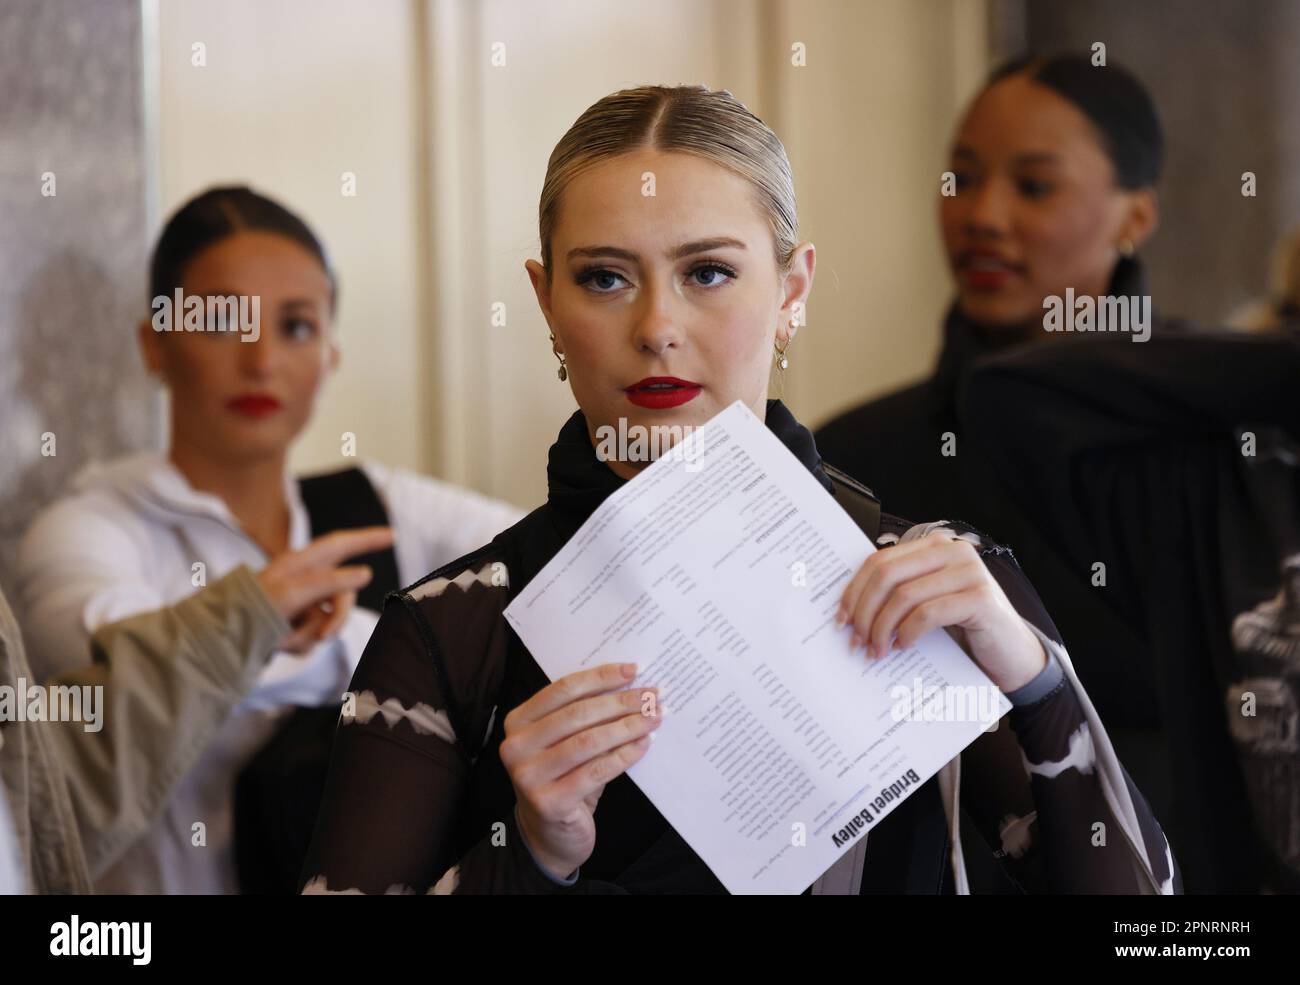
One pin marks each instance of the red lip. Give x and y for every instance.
(986, 269)
(254, 405)
(675, 392)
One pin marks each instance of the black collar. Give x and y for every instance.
(965, 341)
(578, 481)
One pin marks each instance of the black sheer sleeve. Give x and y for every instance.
(1051, 801)
(399, 773)
(1048, 796)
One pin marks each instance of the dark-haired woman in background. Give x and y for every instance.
(1056, 163)
(141, 533)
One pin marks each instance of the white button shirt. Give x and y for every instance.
(130, 539)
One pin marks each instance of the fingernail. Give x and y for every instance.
(839, 618)
(629, 671)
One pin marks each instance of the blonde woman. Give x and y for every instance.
(665, 310)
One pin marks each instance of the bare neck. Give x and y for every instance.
(252, 491)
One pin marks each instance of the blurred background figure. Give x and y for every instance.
(1053, 190)
(144, 531)
(1169, 475)
(1053, 169)
(1282, 306)
(167, 680)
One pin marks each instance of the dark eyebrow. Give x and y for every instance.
(1031, 157)
(677, 252)
(304, 302)
(1038, 157)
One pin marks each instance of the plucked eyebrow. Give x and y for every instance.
(303, 302)
(676, 253)
(1032, 157)
(1038, 157)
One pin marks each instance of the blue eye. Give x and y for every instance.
(715, 273)
(600, 279)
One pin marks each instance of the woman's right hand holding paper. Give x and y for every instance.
(563, 745)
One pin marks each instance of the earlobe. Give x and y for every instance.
(147, 339)
(799, 278)
(1143, 217)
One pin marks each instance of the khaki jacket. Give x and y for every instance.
(170, 678)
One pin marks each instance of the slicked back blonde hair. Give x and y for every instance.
(709, 123)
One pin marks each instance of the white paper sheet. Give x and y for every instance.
(718, 571)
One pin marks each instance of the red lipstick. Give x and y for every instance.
(985, 269)
(658, 392)
(254, 404)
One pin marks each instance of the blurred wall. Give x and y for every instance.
(288, 97)
(867, 125)
(449, 150)
(73, 197)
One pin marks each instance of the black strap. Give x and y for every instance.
(908, 852)
(856, 499)
(343, 501)
(277, 794)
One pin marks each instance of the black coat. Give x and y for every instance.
(1136, 456)
(418, 795)
(895, 445)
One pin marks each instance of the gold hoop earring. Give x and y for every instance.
(563, 371)
(781, 361)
